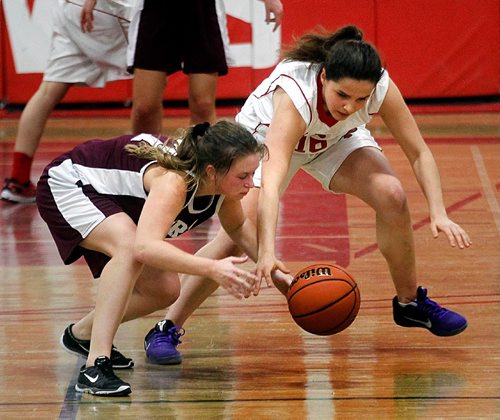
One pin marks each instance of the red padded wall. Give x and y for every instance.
(445, 48)
(440, 48)
(2, 56)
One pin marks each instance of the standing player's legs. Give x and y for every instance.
(35, 115)
(147, 105)
(204, 58)
(154, 52)
(202, 95)
(18, 187)
(90, 59)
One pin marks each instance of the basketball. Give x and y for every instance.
(323, 299)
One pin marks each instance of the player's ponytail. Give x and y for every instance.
(314, 47)
(204, 144)
(217, 145)
(342, 53)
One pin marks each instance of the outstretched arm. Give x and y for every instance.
(243, 232)
(165, 200)
(286, 129)
(402, 125)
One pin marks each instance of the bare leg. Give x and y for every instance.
(147, 101)
(115, 287)
(116, 283)
(366, 173)
(202, 95)
(395, 241)
(35, 114)
(195, 290)
(154, 290)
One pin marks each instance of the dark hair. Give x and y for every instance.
(204, 144)
(342, 53)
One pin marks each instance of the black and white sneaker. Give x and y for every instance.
(81, 348)
(101, 380)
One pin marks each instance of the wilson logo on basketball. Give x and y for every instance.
(317, 271)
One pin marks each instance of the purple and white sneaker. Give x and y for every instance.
(425, 313)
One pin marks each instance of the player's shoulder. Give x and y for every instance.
(296, 76)
(298, 69)
(143, 137)
(379, 93)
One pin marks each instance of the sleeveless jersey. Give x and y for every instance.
(300, 80)
(105, 168)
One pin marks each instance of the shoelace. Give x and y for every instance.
(172, 336)
(106, 369)
(431, 308)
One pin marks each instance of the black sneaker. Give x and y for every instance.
(81, 348)
(425, 313)
(101, 380)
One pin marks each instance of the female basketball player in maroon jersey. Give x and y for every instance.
(114, 202)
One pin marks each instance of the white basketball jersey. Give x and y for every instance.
(300, 81)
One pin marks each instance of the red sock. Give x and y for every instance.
(21, 167)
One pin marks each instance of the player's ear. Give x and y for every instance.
(210, 172)
(323, 76)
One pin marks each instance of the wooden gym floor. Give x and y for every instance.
(248, 359)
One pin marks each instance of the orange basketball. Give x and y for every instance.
(323, 299)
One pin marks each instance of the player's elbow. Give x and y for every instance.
(142, 252)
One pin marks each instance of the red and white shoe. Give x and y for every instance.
(16, 192)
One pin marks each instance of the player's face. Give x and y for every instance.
(239, 179)
(345, 96)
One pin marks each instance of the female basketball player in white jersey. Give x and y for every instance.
(311, 112)
(114, 202)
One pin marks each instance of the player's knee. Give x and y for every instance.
(144, 110)
(393, 199)
(202, 108)
(166, 292)
(126, 254)
(225, 245)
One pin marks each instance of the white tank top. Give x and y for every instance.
(300, 81)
